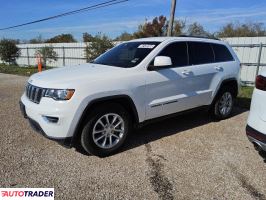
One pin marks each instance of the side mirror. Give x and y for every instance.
(160, 62)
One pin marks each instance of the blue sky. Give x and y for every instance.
(113, 20)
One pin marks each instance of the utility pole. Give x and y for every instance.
(172, 18)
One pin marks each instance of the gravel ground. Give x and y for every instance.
(187, 157)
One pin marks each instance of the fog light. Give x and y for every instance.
(51, 119)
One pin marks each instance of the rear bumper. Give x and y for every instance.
(256, 137)
(66, 142)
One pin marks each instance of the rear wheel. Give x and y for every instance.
(106, 130)
(223, 104)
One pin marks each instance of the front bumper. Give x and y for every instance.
(66, 141)
(256, 137)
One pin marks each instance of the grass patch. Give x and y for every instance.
(13, 69)
(244, 97)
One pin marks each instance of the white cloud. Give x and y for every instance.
(216, 17)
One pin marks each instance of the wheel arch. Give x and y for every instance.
(230, 82)
(124, 100)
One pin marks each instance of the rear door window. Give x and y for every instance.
(222, 54)
(200, 53)
(177, 52)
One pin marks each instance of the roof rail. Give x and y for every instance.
(196, 36)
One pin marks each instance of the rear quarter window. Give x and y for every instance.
(222, 54)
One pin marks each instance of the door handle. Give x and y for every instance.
(218, 68)
(186, 72)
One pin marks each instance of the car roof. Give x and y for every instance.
(163, 39)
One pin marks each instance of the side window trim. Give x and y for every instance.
(188, 64)
(214, 58)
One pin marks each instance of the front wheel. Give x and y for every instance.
(223, 104)
(106, 130)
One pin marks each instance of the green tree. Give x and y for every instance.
(87, 37)
(47, 54)
(242, 30)
(179, 27)
(124, 37)
(63, 38)
(196, 29)
(37, 40)
(9, 52)
(96, 45)
(157, 27)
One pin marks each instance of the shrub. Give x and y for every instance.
(96, 45)
(63, 38)
(47, 53)
(9, 52)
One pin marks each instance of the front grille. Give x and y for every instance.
(35, 93)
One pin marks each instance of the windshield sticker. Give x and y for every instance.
(146, 46)
(135, 60)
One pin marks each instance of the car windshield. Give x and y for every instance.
(127, 54)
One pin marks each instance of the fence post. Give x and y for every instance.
(259, 58)
(28, 56)
(64, 63)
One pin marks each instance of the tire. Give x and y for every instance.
(223, 104)
(105, 122)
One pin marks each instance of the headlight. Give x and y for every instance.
(59, 94)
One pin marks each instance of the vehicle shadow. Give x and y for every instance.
(260, 152)
(170, 126)
(243, 102)
(167, 127)
(263, 155)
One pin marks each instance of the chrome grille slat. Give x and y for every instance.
(29, 89)
(30, 92)
(34, 93)
(43, 92)
(37, 95)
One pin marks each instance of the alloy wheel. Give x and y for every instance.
(108, 130)
(225, 104)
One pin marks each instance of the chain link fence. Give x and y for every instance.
(251, 52)
(67, 54)
(253, 60)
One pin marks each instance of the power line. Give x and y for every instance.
(93, 7)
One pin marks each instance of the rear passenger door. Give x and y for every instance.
(203, 66)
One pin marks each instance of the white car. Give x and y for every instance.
(256, 127)
(96, 104)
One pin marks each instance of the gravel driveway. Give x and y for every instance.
(187, 157)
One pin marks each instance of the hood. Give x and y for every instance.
(64, 76)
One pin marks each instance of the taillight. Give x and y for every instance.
(261, 82)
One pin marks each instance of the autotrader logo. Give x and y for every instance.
(27, 193)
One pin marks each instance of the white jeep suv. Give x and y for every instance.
(96, 104)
